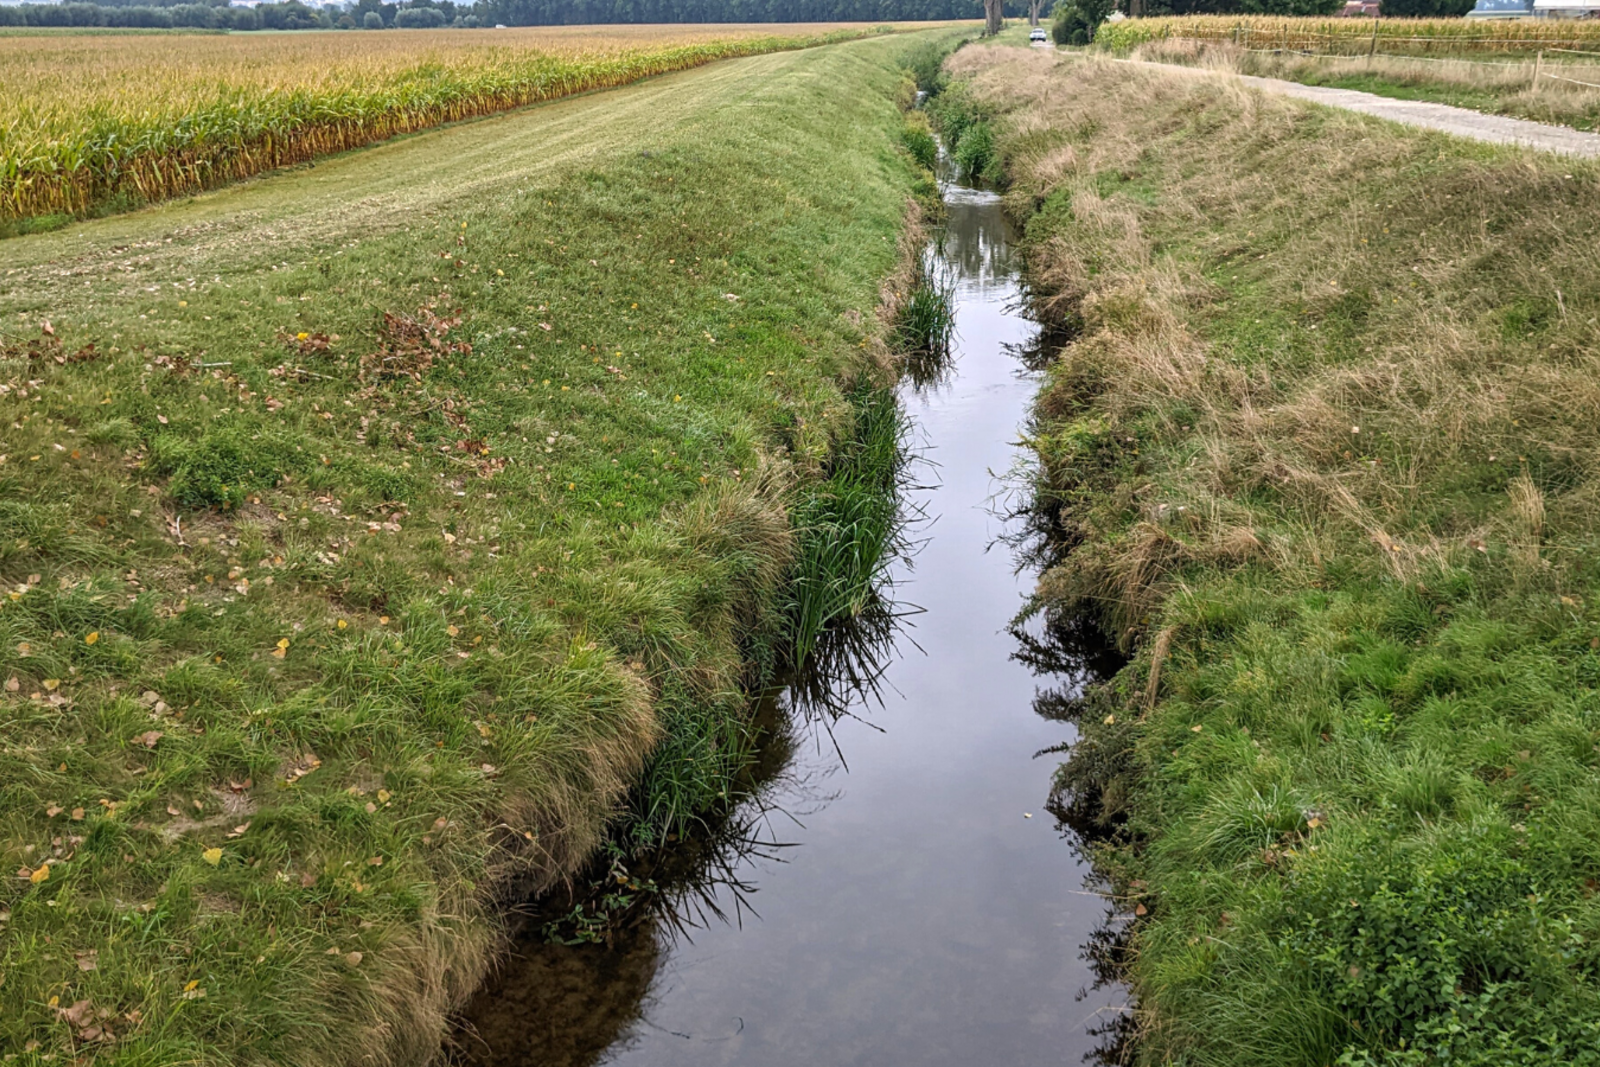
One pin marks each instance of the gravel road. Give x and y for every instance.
(1459, 121)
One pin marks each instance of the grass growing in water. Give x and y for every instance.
(1324, 458)
(924, 324)
(850, 526)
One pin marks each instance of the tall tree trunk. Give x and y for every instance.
(993, 10)
(1033, 12)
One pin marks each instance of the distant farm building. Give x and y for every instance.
(1547, 9)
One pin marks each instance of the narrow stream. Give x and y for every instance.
(894, 894)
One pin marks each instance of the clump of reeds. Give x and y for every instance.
(850, 526)
(924, 325)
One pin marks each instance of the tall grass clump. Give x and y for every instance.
(1318, 454)
(924, 323)
(849, 527)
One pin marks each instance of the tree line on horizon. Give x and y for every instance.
(432, 14)
(426, 14)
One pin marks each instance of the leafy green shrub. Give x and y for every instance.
(418, 18)
(1077, 21)
(925, 61)
(1436, 952)
(918, 139)
(975, 157)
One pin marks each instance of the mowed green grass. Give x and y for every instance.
(1323, 450)
(363, 529)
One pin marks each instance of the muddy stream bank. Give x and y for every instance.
(894, 891)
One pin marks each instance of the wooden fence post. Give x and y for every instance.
(1373, 49)
(1538, 70)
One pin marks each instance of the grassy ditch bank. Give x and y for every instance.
(368, 531)
(1322, 446)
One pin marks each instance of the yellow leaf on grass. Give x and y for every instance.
(212, 856)
(52, 683)
(40, 874)
(452, 631)
(193, 983)
(92, 638)
(383, 796)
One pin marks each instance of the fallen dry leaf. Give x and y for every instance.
(212, 856)
(80, 1014)
(149, 738)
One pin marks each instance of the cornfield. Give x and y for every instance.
(92, 119)
(1341, 36)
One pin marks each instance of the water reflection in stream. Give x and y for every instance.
(920, 908)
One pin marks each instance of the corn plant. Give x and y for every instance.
(94, 119)
(1360, 36)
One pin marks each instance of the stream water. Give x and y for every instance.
(894, 892)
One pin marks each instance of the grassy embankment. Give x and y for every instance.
(101, 123)
(368, 531)
(1323, 447)
(1485, 66)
